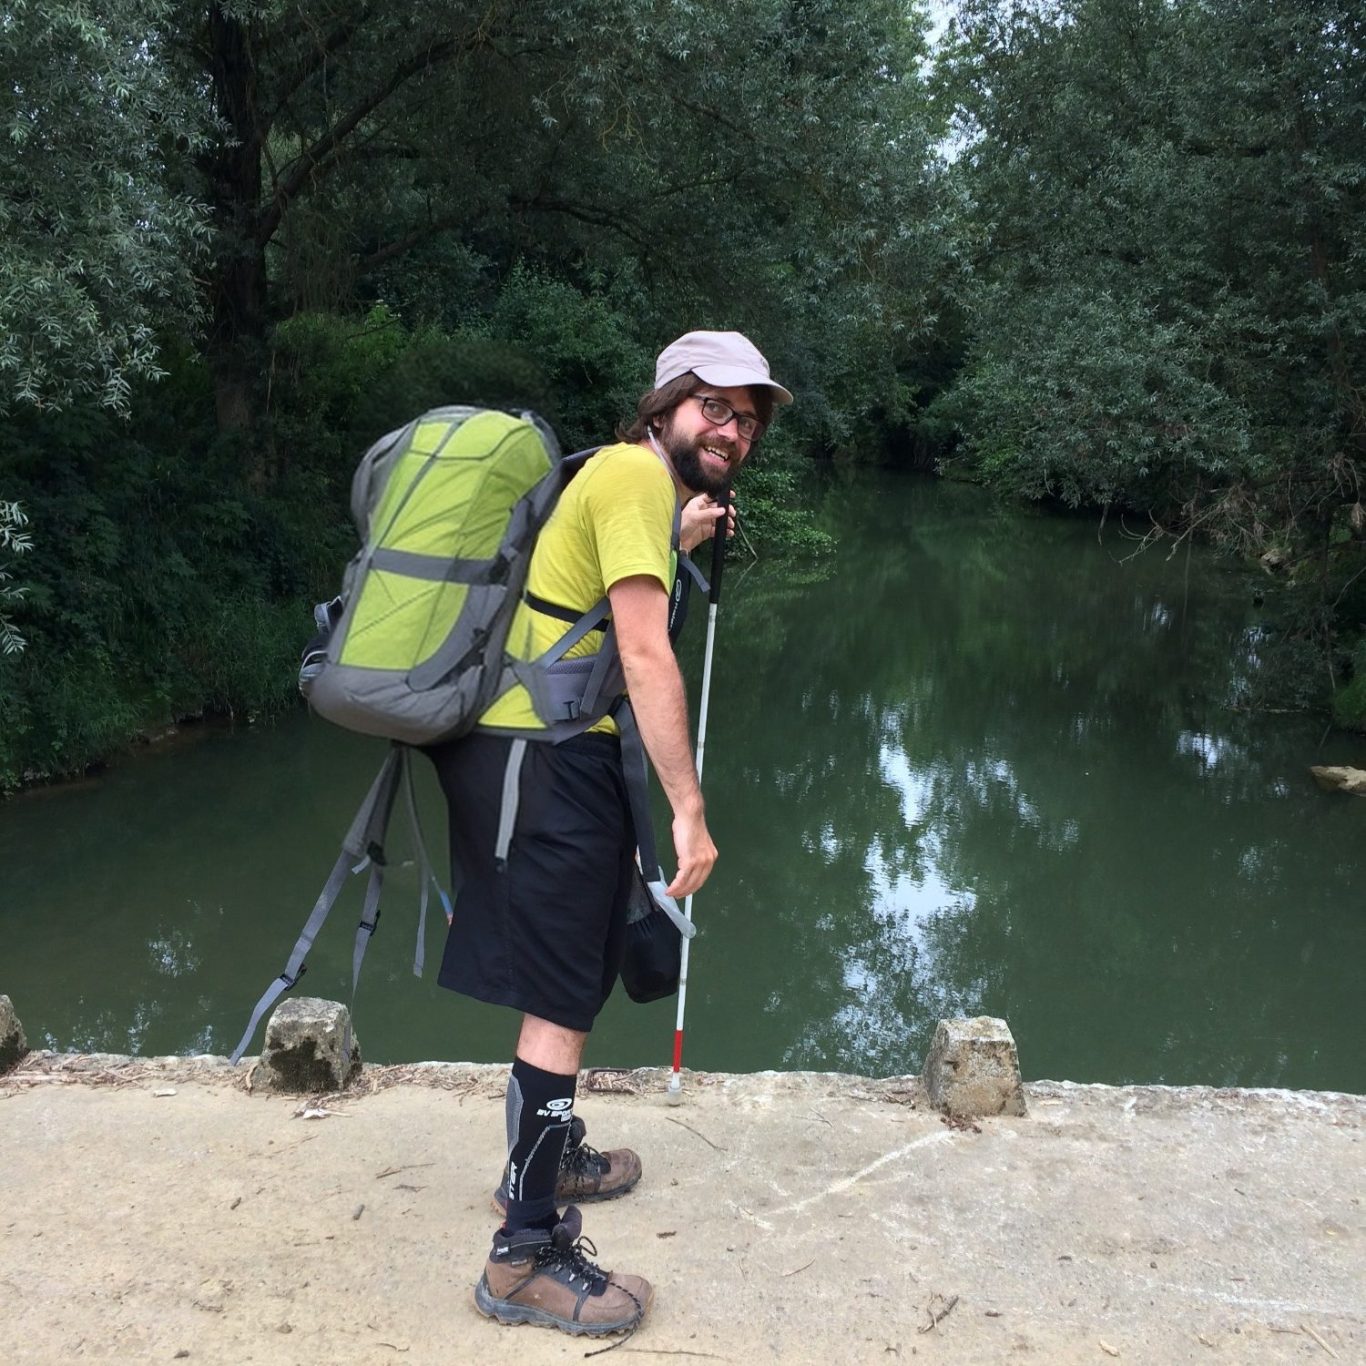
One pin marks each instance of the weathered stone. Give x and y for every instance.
(303, 1049)
(972, 1069)
(13, 1044)
(1339, 778)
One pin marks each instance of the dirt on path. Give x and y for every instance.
(159, 1210)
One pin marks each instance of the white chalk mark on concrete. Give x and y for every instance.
(846, 1182)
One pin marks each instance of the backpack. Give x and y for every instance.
(449, 508)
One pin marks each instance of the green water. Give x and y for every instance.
(982, 763)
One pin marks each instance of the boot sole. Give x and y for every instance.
(506, 1312)
(598, 1199)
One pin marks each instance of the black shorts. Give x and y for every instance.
(543, 932)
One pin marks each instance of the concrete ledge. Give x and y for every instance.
(787, 1217)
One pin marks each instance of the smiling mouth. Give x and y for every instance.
(717, 453)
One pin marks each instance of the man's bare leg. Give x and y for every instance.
(551, 1047)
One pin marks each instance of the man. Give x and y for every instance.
(542, 929)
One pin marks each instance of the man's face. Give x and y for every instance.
(705, 454)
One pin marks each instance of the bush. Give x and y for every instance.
(1349, 701)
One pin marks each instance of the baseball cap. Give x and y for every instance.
(728, 360)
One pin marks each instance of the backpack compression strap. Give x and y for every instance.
(362, 848)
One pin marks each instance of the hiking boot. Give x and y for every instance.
(585, 1173)
(546, 1278)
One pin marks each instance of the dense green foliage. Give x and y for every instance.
(1102, 252)
(14, 540)
(96, 240)
(1167, 294)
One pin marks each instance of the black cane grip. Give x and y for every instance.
(718, 545)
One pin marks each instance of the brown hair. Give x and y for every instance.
(656, 402)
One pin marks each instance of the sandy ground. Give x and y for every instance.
(159, 1210)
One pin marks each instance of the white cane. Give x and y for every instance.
(718, 556)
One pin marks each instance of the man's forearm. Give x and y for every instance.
(655, 687)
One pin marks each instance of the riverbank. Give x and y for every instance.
(163, 1209)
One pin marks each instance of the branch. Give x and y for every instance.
(376, 258)
(303, 166)
(584, 213)
(317, 57)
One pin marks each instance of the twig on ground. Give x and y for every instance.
(394, 1171)
(937, 1316)
(1308, 1329)
(665, 1352)
(691, 1130)
(786, 1274)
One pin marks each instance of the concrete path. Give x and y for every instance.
(155, 1210)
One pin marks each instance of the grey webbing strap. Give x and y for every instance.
(591, 619)
(689, 566)
(369, 923)
(366, 832)
(425, 871)
(507, 810)
(638, 793)
(438, 568)
(295, 967)
(602, 666)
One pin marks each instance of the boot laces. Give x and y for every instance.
(583, 1160)
(573, 1259)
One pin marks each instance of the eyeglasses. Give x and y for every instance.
(718, 413)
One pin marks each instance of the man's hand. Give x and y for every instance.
(696, 854)
(700, 516)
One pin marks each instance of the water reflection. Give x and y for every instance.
(1012, 785)
(980, 763)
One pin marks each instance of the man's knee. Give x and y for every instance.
(551, 1047)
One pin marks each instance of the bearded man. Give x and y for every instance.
(540, 920)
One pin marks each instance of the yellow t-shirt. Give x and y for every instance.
(615, 520)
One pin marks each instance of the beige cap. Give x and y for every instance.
(728, 360)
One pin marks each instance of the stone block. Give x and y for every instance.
(303, 1048)
(13, 1044)
(972, 1069)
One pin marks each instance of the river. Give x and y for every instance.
(984, 761)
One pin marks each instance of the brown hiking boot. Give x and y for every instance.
(546, 1278)
(585, 1173)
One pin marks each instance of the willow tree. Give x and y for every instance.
(1168, 283)
(97, 241)
(735, 154)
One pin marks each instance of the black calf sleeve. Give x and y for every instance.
(539, 1108)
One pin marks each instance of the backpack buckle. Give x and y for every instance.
(292, 982)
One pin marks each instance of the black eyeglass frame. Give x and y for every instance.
(740, 418)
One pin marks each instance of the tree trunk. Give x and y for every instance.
(236, 341)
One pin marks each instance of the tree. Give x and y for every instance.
(95, 249)
(14, 540)
(765, 156)
(1168, 292)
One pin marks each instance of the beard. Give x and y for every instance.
(686, 457)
